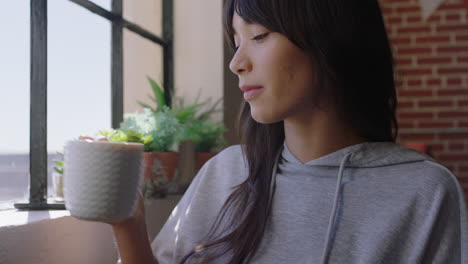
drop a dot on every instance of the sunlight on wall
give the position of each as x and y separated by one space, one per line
198 44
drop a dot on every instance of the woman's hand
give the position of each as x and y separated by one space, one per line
132 237
138 216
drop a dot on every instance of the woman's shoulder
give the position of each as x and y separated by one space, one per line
233 151
405 166
426 181
230 157
225 170
436 177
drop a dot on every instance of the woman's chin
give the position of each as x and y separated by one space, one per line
265 118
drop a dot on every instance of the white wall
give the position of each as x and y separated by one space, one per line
199 49
141 57
198 52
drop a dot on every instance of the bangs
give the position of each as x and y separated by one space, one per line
282 16
251 11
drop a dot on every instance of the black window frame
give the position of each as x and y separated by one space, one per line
38 86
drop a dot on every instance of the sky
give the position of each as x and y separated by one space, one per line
78 74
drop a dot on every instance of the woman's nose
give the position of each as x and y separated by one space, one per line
240 63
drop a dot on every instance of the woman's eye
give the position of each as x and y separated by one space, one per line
261 36
256 38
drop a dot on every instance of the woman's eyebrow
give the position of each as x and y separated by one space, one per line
245 24
234 30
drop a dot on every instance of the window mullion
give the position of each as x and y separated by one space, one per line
38 109
168 56
117 64
38 117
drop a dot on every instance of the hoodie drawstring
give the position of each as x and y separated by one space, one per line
331 222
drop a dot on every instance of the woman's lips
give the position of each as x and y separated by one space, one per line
251 91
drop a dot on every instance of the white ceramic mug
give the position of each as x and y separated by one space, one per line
101 179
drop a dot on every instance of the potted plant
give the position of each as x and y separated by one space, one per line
57 179
158 167
208 136
168 126
160 161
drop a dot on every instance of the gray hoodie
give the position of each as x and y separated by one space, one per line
367 203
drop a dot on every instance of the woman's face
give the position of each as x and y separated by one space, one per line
279 70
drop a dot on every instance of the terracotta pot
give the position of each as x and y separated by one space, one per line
160 165
202 157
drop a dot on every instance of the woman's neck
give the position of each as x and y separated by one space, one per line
315 136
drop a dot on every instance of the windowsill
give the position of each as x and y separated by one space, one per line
56 237
53 237
10 216
14 217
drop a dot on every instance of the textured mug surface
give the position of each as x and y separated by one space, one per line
101 179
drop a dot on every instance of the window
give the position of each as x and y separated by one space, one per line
59 72
14 102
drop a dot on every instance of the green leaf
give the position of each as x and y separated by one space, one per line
147 140
121 136
133 136
106 133
58 170
212 110
158 94
185 113
147 106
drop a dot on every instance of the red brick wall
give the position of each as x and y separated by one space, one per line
432 78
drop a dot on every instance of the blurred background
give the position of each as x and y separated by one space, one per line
79 73
430 45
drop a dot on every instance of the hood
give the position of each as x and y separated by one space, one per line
363 155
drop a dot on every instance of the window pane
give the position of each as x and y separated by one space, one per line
142 58
79 75
14 102
145 13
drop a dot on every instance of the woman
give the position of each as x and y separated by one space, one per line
317 178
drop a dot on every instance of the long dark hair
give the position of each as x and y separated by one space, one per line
348 44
